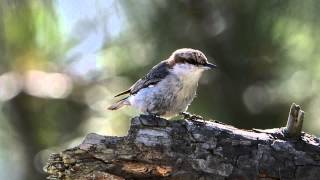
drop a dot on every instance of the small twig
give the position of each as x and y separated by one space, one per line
295 121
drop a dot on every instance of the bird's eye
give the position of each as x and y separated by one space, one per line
191 61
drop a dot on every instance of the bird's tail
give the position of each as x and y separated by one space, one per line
119 104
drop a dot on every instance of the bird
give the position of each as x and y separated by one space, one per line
169 87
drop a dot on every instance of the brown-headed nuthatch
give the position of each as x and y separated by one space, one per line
169 87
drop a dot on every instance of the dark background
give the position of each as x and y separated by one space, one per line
62 61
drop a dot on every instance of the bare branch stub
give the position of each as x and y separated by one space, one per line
295 121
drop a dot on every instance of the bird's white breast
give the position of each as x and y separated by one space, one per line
189 76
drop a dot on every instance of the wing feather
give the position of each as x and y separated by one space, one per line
155 75
123 93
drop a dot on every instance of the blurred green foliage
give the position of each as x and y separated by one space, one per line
62 61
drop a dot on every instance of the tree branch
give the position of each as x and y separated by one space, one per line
190 149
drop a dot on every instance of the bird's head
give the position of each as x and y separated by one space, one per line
191 58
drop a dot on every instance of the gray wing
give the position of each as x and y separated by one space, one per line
155 75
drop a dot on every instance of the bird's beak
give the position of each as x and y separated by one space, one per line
210 66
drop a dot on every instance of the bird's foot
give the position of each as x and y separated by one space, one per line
152 120
193 117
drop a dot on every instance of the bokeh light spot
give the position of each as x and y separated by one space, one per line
10 85
47 85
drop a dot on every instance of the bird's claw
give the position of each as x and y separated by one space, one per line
189 116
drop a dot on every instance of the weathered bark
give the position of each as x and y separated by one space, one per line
190 149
